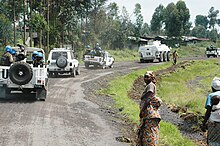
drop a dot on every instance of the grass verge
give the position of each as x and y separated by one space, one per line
186 87
118 89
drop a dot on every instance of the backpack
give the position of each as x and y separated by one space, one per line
5 60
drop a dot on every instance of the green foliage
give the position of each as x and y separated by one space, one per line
38 22
199 31
5 30
157 19
201 21
170 135
139 20
212 17
193 50
190 90
173 24
124 55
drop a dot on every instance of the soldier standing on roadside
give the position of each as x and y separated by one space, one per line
175 56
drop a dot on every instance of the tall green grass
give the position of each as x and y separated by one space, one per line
125 55
189 87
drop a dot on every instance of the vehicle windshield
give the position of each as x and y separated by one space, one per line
56 55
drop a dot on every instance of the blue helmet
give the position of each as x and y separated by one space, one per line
35 53
8 48
39 55
13 52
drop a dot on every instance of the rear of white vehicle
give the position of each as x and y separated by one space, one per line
148 53
21 76
93 60
62 61
103 61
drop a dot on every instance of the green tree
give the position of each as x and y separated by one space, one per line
172 21
5 30
145 29
184 16
157 20
139 19
202 20
212 15
213 34
199 31
38 23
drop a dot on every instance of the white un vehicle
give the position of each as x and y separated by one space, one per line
22 76
98 59
212 51
62 60
154 50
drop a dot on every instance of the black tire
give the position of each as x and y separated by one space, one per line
164 57
168 56
141 60
41 94
20 73
50 74
61 62
86 65
161 57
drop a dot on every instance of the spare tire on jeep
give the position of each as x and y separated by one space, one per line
61 62
20 73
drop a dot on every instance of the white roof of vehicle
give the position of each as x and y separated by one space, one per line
29 49
60 49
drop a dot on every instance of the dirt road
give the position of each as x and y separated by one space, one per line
70 116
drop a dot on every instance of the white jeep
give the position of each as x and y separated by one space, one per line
23 76
62 60
102 59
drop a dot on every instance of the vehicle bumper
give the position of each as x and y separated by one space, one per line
93 63
148 58
60 70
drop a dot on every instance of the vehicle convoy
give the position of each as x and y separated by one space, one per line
23 76
212 51
62 60
154 50
98 59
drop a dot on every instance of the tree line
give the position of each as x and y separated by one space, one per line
53 23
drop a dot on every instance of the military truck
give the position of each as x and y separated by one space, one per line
154 50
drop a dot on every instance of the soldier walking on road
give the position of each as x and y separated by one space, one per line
175 56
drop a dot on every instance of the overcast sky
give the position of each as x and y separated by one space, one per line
196 7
